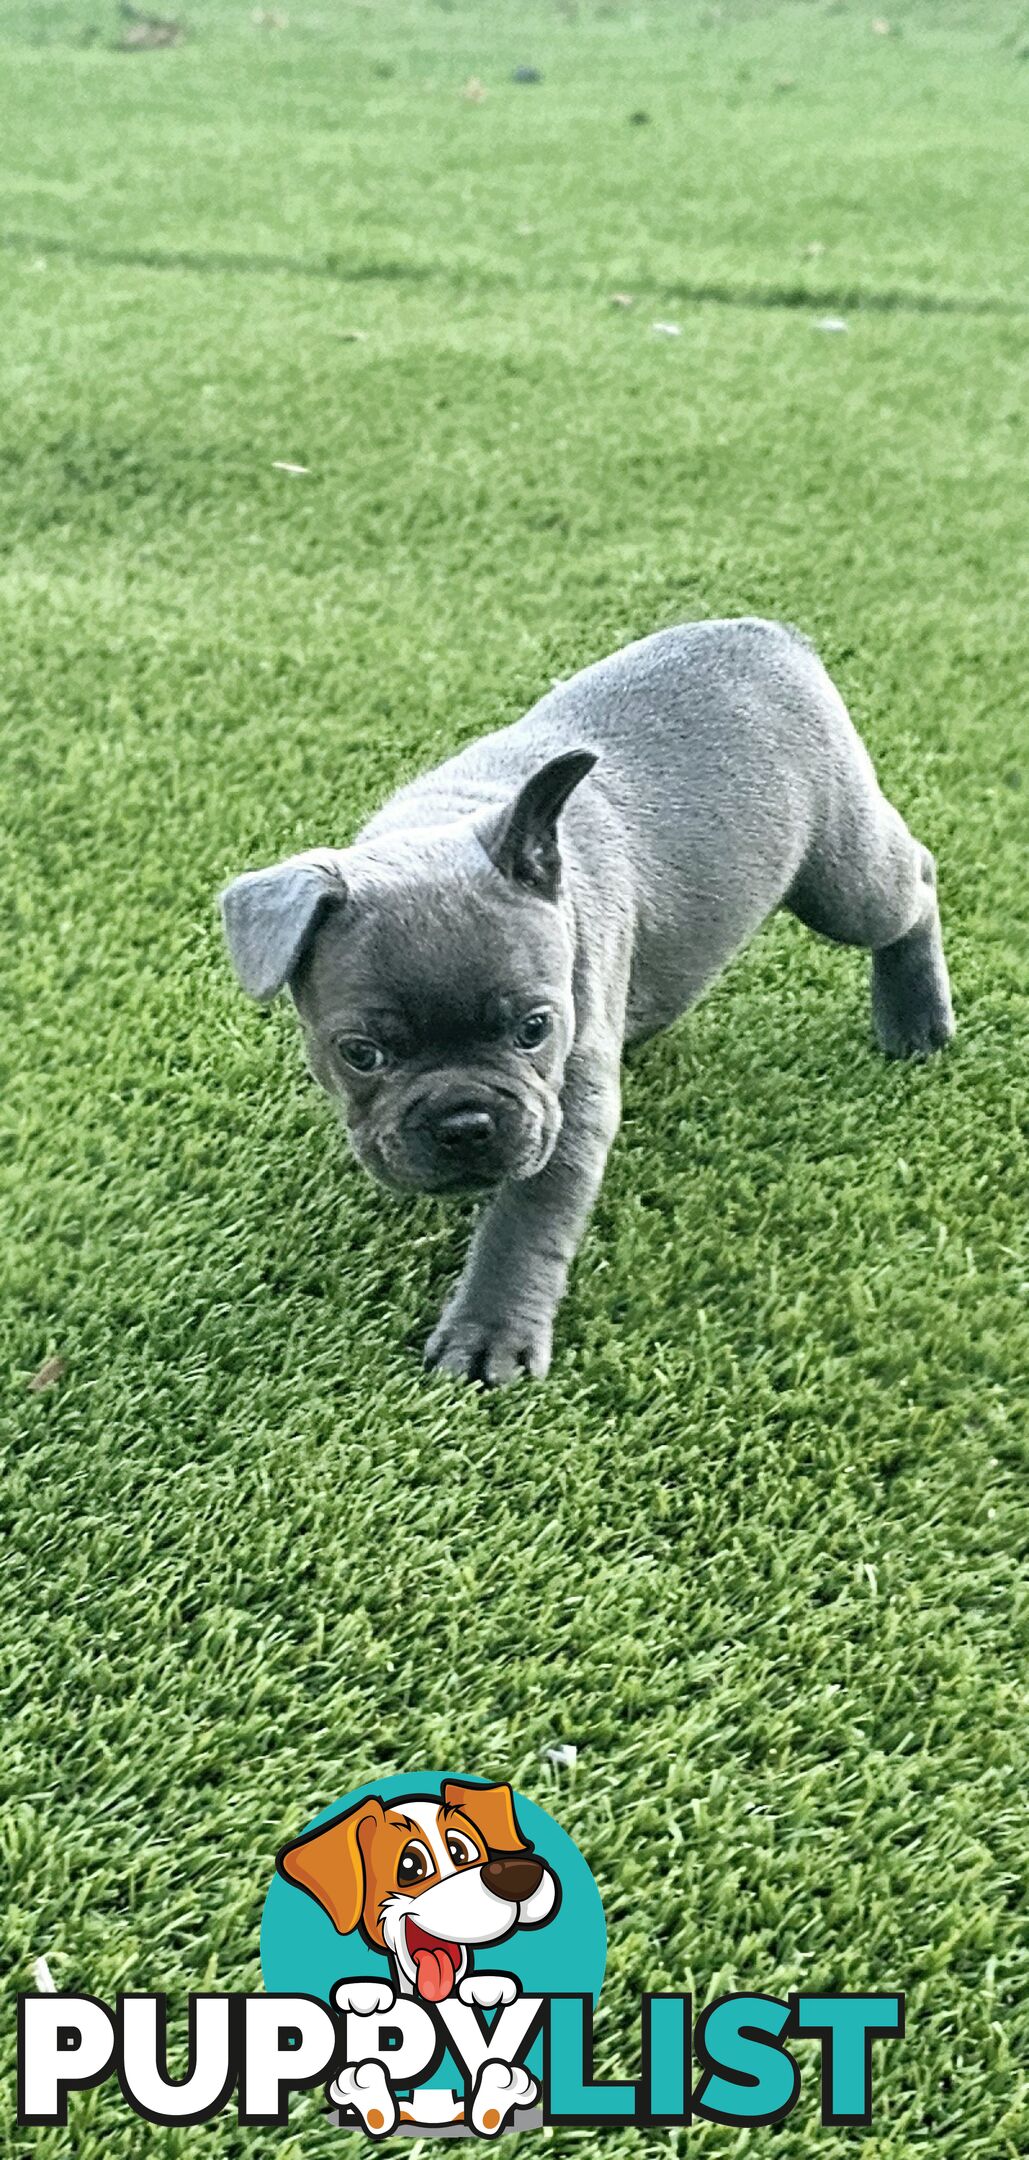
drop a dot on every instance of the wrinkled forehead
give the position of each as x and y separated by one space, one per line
438 961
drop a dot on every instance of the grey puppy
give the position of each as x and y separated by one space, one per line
467 972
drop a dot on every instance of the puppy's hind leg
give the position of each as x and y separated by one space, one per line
911 1008
871 883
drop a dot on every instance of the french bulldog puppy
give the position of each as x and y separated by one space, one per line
467 971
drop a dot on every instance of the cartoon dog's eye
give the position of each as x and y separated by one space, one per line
414 1864
533 1030
361 1053
461 1851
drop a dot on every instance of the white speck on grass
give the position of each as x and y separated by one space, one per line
833 323
564 1756
43 1977
280 465
667 329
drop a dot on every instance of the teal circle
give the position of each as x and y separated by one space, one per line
301 1953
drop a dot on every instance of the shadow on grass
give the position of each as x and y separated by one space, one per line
854 297
339 270
220 262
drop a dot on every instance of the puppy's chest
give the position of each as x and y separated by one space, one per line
674 958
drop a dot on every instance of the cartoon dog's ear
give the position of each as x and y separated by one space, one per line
329 1864
269 918
491 1809
524 844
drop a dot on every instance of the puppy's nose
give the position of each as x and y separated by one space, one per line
513 1876
468 1126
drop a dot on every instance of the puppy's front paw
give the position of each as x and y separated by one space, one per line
491 1351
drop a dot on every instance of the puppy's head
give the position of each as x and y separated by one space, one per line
426 1879
432 973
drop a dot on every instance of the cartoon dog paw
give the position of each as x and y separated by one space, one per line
500 2088
363 1998
365 2088
485 1991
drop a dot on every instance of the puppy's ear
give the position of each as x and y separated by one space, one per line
491 1809
329 1863
524 844
270 916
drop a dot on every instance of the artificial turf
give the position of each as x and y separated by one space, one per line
757 1547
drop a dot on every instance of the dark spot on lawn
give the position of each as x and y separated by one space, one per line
526 75
144 33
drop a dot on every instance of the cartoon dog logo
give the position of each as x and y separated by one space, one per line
426 1880
429 1881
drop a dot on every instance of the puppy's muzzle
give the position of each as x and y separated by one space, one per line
460 1136
466 1130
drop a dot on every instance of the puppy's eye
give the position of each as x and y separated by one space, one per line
533 1030
361 1053
414 1864
460 1849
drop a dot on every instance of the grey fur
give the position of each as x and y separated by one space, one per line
602 859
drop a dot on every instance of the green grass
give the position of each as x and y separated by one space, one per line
758 1545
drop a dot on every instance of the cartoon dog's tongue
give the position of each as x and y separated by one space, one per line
435 1974
436 1963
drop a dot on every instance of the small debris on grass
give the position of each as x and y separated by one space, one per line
785 82
283 465
353 337
639 119
667 329
144 33
474 91
50 1372
834 323
43 1977
622 299
526 75
815 247
564 1756
880 27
